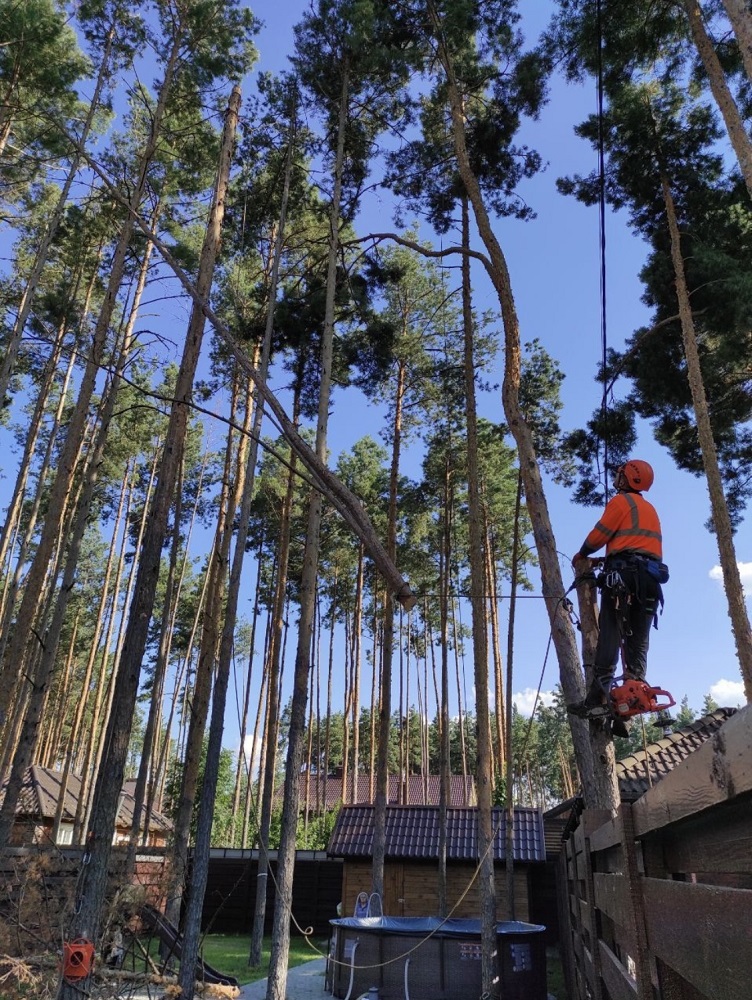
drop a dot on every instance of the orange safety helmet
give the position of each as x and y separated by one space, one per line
638 474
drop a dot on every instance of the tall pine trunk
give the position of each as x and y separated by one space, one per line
724 534
487 890
277 981
735 126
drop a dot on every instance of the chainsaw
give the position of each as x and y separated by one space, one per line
635 697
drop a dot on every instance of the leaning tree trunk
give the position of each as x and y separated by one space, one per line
347 505
597 786
735 126
486 883
93 885
732 583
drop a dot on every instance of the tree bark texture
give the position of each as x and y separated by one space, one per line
732 583
735 126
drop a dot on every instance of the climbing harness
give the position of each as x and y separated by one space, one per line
627 696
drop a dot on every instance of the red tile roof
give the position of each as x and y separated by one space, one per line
413 832
41 790
415 791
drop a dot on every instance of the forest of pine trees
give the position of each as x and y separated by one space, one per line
195 593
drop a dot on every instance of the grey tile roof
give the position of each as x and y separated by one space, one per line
41 790
413 832
644 768
416 789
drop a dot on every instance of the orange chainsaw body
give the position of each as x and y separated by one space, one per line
635 697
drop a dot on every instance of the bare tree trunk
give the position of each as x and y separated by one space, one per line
458 674
267 776
276 988
244 716
199 698
741 21
509 774
597 788
721 521
489 959
735 126
51 752
357 664
375 678
242 496
445 558
385 697
498 668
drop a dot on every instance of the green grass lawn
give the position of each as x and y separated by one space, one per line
228 953
555 975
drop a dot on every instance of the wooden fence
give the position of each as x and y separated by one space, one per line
656 903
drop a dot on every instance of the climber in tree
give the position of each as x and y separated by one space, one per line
630 584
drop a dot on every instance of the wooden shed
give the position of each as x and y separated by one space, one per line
412 852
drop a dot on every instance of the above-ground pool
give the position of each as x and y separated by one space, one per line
424 958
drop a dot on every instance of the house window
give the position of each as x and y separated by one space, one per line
65 833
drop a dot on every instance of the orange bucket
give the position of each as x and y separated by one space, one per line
78 958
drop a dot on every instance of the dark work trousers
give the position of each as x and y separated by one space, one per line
631 608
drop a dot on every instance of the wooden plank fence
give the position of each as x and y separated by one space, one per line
656 902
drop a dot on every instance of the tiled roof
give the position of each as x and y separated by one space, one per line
413 832
415 790
644 768
41 789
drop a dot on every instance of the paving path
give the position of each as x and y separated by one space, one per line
304 982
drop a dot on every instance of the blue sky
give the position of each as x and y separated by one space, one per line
554 265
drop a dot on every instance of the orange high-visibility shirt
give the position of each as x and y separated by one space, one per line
628 524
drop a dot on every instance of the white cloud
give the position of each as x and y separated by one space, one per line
728 694
525 700
251 754
745 571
